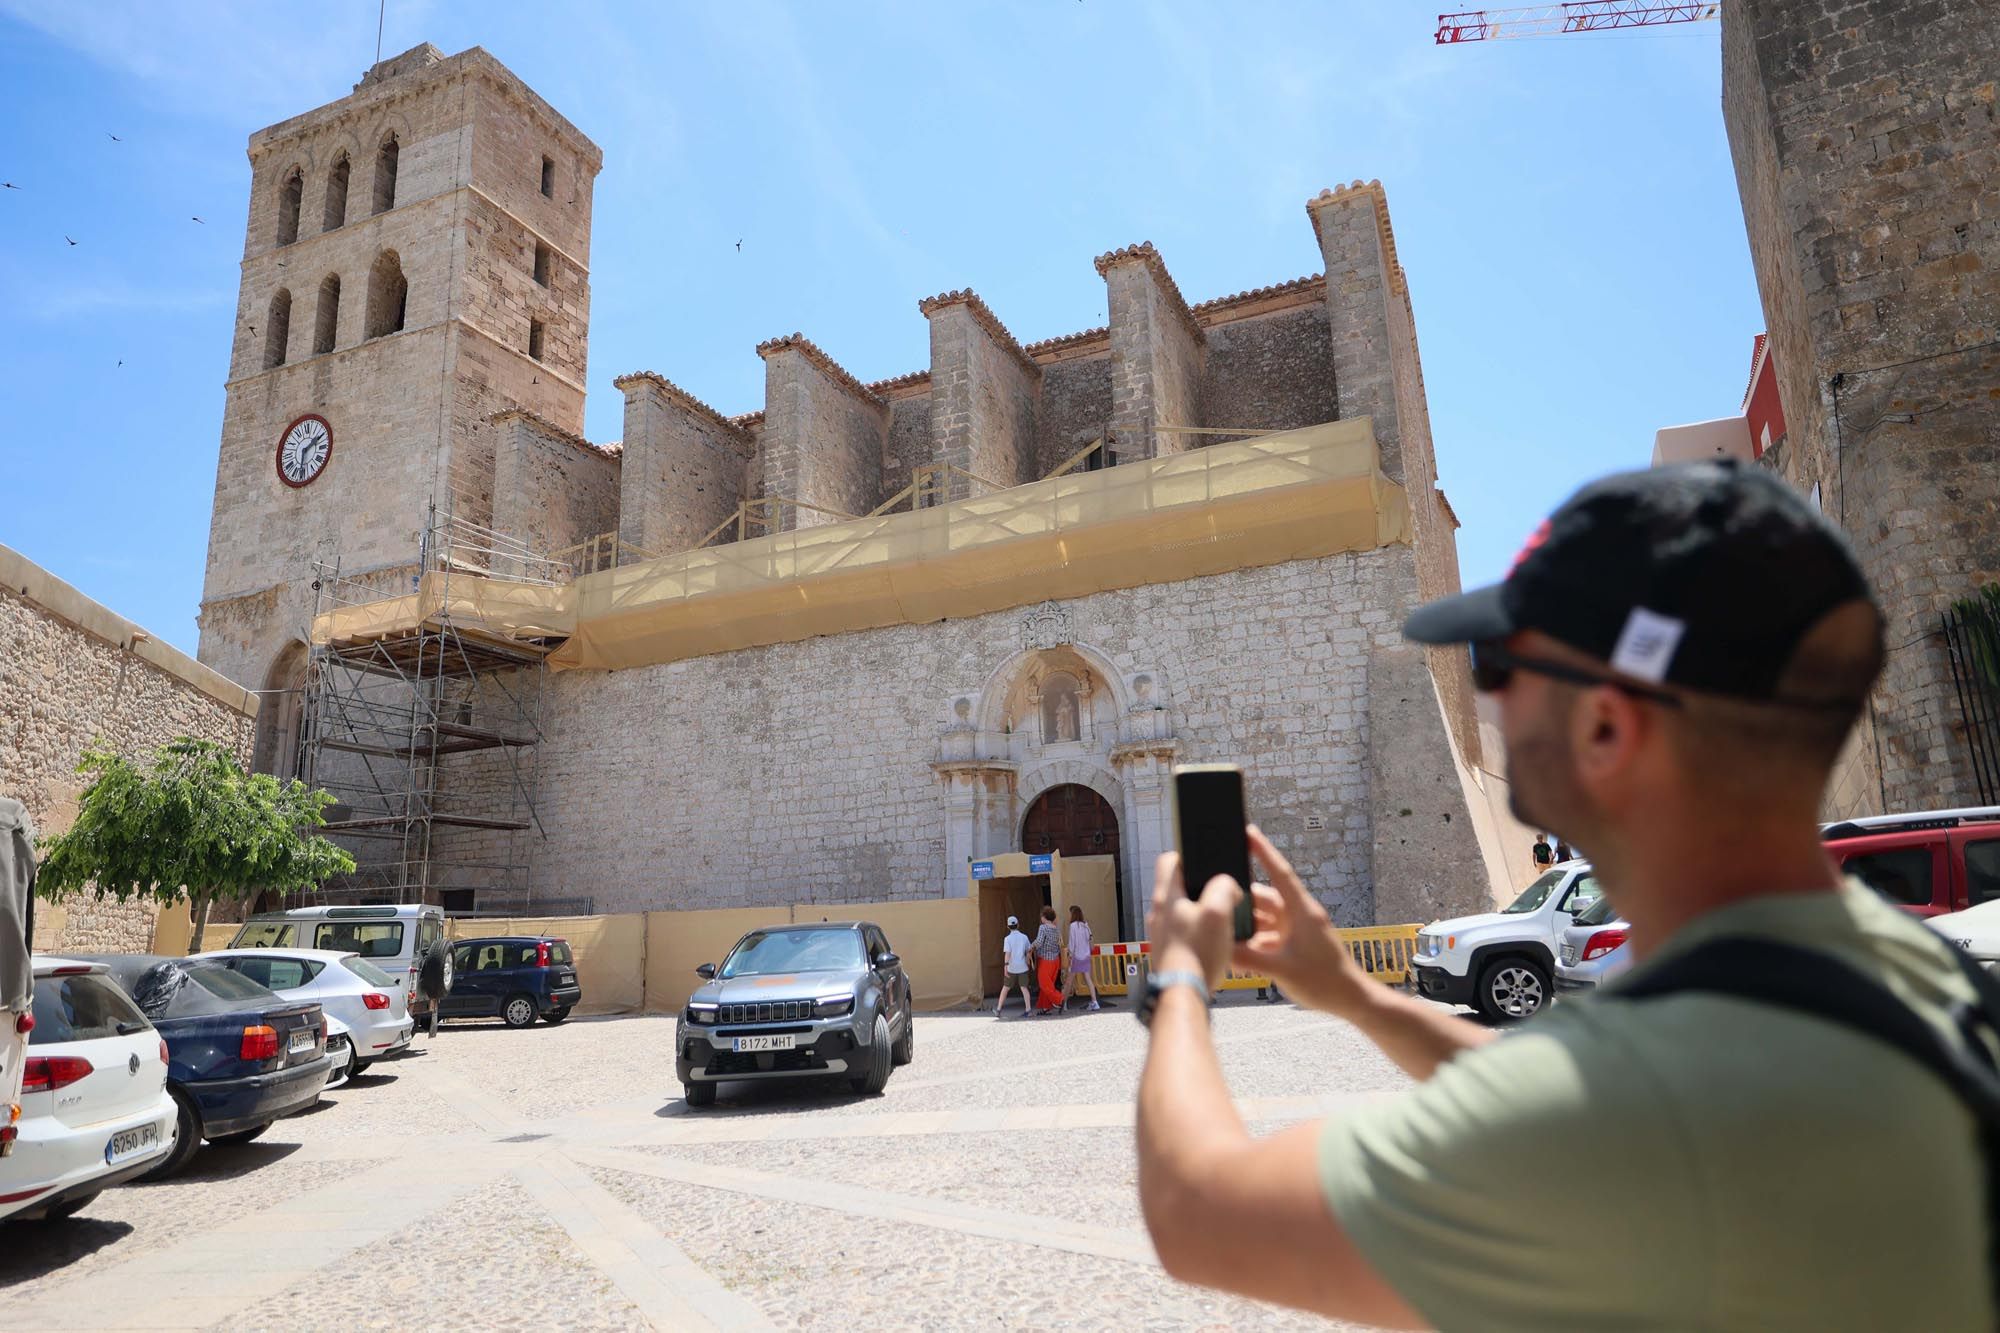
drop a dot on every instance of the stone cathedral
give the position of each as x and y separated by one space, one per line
845 645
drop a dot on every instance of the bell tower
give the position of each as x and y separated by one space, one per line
417 259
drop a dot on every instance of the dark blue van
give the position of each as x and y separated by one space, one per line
515 977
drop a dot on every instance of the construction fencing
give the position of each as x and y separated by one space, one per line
1383 952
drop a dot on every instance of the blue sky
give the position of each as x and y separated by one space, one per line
1566 211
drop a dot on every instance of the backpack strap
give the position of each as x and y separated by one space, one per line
1785 976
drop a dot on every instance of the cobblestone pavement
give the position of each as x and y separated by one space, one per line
553 1178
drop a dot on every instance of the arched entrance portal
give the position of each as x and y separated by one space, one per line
1076 821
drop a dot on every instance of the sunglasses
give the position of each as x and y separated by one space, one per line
1493 667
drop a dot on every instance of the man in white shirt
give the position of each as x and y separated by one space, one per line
1013 966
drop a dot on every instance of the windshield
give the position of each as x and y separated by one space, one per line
1537 893
370 939
266 935
1599 913
764 952
368 972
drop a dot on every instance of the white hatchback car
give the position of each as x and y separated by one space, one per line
94 1103
347 986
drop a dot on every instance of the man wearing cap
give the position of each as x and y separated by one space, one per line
1677 656
1013 967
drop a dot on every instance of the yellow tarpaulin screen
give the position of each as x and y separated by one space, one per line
1294 496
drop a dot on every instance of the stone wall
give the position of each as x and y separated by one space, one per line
983 390
1075 408
1273 372
804 771
1156 355
682 466
1867 142
909 441
552 491
1352 223
74 675
824 434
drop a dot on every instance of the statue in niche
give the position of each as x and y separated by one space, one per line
1142 691
1060 715
961 709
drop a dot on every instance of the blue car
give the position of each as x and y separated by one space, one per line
238 1056
518 978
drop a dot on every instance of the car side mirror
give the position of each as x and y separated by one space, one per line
706 971
886 960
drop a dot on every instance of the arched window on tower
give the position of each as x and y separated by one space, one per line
388 294
336 196
289 196
326 323
277 329
385 175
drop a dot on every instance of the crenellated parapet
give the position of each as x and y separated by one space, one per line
1156 355
823 437
983 395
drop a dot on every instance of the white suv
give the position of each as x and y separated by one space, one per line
1501 963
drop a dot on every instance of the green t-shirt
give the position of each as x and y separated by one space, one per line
1687 1162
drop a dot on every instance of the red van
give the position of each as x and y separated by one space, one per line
1930 862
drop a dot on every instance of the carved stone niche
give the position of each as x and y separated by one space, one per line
959 738
1146 717
1047 626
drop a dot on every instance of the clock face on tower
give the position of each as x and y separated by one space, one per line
304 449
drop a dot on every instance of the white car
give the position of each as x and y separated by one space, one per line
94 1103
366 999
395 938
1502 963
1975 930
339 1049
1594 950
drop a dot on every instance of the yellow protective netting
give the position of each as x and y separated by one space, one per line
1293 496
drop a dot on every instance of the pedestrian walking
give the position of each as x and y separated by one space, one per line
1677 658
1048 964
1013 967
1545 855
1079 957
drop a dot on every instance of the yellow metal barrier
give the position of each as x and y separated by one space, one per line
1382 951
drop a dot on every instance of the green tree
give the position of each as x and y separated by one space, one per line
193 821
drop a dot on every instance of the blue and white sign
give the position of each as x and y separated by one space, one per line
1041 865
982 870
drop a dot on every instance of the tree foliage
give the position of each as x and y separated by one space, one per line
192 821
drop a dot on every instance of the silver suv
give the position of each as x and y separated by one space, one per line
798 1001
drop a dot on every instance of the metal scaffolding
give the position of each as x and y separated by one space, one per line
424 734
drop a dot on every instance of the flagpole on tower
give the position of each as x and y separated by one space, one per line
380 11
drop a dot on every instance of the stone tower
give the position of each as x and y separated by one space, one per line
417 260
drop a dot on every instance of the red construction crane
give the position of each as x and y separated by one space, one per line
1491 25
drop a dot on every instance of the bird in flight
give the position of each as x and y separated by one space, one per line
114 138
67 239
10 185
199 220
739 247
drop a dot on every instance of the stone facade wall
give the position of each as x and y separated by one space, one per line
1274 372
1867 139
73 675
1156 356
499 294
823 435
682 468
804 771
1075 409
909 441
1351 223
552 490
983 392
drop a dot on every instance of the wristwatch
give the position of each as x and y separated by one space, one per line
1157 983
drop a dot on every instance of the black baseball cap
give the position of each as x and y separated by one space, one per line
1703 575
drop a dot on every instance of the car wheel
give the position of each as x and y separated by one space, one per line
70 1207
556 1015
906 1049
356 1068
880 1060
699 1094
240 1136
187 1138
1512 988
519 1011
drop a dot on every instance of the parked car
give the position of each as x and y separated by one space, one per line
369 1003
94 1104
393 938
1594 950
339 1052
829 1000
518 977
17 978
1502 963
1929 862
239 1056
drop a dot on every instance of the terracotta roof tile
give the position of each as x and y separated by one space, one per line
547 427
827 366
676 393
1069 345
895 384
1311 287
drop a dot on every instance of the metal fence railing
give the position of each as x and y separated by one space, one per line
1972 638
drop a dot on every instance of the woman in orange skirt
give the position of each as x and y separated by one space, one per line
1048 964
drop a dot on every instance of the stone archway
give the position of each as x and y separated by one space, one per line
281 714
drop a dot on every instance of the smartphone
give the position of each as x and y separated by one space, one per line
1209 820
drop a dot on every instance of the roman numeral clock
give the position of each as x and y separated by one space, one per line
303 450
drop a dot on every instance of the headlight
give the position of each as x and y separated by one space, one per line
701 1013
826 1006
